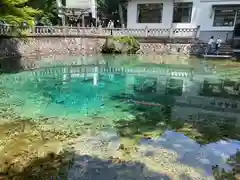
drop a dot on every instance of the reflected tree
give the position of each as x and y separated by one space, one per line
211 129
152 121
148 122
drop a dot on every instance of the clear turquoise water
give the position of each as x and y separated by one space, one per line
135 99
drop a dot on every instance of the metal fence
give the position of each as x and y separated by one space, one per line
89 31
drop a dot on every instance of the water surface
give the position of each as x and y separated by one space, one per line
178 117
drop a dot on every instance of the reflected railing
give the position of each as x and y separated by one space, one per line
104 68
176 82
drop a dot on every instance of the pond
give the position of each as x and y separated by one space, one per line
124 117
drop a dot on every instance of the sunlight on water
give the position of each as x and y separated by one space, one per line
178 120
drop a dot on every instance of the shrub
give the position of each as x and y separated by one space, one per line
133 44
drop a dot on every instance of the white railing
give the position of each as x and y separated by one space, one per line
85 31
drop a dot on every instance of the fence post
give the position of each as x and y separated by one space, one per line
111 31
197 32
32 30
146 31
78 29
171 33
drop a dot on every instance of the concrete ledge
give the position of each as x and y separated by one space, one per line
58 45
144 39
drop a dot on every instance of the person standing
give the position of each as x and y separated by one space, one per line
218 45
210 45
111 26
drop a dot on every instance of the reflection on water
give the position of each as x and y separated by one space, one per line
179 121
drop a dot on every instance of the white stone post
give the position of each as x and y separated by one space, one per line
66 74
83 21
146 31
95 76
130 79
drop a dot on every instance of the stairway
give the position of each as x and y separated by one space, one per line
225 49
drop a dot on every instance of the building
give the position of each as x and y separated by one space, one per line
215 17
76 11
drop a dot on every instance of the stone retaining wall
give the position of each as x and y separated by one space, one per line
45 46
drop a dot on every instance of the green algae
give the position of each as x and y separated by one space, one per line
26 148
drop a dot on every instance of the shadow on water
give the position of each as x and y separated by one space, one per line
68 165
10 60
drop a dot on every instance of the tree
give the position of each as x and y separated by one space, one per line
49 15
16 12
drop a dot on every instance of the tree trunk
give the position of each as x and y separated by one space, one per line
120 9
171 30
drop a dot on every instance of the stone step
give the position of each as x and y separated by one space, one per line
226 50
223 46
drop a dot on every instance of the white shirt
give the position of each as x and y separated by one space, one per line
219 41
210 42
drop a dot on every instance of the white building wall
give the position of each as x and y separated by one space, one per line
167 14
206 20
202 15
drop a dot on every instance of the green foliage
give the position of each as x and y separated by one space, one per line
123 45
133 44
49 15
16 12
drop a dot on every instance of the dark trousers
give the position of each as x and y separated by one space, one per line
208 49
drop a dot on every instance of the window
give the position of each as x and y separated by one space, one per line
237 25
238 17
149 13
224 17
182 12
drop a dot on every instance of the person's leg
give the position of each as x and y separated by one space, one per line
217 49
207 49
210 48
